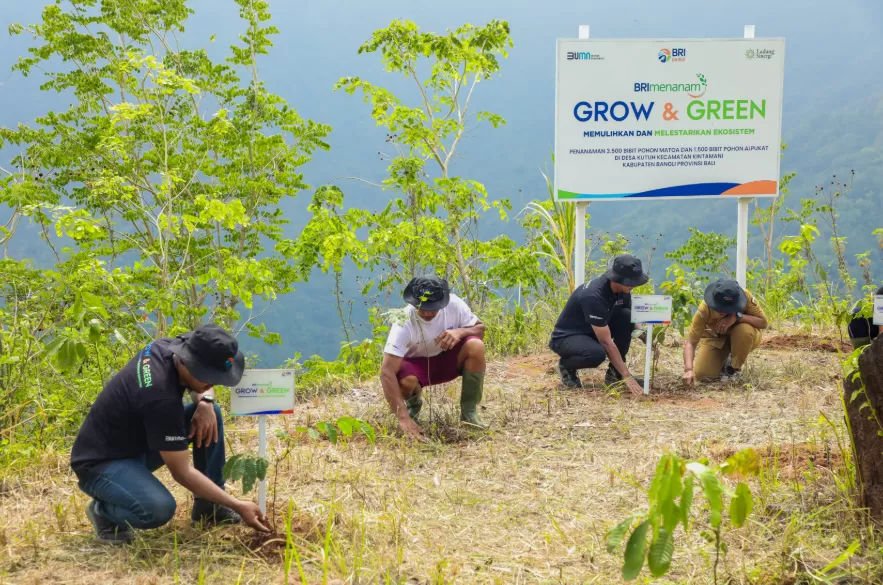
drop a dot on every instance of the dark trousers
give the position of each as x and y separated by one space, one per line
579 352
128 494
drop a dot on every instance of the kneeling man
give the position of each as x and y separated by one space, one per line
596 323
439 340
139 423
726 328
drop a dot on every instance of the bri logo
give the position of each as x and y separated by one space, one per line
583 56
672 55
694 90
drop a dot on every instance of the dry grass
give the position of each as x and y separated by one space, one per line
527 502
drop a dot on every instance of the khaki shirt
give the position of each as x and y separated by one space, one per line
705 320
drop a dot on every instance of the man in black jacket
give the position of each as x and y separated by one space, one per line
596 325
139 423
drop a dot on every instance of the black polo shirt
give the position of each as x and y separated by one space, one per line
140 410
591 304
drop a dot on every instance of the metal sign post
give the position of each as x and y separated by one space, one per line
262 393
650 310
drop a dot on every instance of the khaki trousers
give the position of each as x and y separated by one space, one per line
712 353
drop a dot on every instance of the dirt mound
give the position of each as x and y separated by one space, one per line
272 544
805 342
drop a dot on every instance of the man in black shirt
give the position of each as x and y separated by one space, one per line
139 423
861 330
596 324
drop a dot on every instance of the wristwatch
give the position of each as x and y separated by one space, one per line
739 316
209 399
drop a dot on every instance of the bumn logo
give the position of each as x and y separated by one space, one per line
583 56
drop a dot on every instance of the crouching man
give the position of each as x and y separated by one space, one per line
139 423
439 340
596 324
726 328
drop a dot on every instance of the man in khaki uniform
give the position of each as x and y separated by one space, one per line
726 328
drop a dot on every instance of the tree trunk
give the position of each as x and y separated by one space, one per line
866 424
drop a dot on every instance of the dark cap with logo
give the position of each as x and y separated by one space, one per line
429 293
627 271
725 296
211 354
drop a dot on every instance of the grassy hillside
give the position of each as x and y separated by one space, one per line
527 502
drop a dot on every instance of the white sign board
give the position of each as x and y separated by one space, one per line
651 119
263 392
651 309
878 310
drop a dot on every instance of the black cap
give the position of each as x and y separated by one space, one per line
627 271
211 354
725 296
429 293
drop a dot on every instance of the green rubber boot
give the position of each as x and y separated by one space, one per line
415 403
470 396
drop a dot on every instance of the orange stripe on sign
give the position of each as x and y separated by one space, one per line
753 188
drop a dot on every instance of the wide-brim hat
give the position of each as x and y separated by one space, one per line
428 293
627 271
725 296
211 354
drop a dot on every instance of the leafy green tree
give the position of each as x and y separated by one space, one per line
157 191
432 223
167 170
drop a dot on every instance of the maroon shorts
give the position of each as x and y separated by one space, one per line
435 370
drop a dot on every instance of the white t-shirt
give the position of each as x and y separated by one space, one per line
415 337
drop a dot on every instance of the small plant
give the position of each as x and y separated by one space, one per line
345 425
670 500
248 468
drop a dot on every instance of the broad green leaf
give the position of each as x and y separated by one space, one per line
741 505
332 433
635 552
617 533
713 491
314 434
227 471
249 474
686 501
661 551
346 425
367 430
262 467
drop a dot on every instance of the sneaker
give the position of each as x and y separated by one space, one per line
731 374
209 514
568 377
106 531
612 377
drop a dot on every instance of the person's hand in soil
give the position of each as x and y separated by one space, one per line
634 387
689 378
411 429
251 515
724 324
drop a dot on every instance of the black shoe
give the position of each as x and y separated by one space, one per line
729 373
568 377
209 514
612 377
106 531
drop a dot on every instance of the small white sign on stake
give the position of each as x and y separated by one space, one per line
259 393
878 309
652 310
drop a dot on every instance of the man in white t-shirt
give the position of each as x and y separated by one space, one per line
439 341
